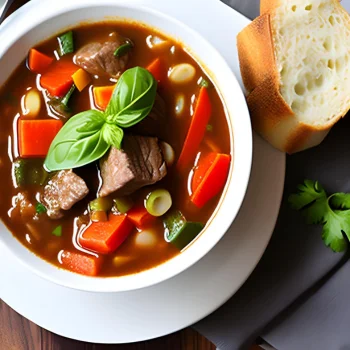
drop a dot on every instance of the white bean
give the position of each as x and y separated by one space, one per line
146 239
182 73
168 153
180 104
32 103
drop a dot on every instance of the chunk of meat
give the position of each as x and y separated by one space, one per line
98 58
140 163
63 191
154 123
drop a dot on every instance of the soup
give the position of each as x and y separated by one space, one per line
115 149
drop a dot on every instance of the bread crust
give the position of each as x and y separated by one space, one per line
268 6
271 116
256 53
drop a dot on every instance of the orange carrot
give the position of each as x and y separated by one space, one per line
102 96
79 263
58 78
196 131
81 79
156 69
36 135
106 237
209 177
38 62
140 217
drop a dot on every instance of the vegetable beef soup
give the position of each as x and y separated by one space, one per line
115 149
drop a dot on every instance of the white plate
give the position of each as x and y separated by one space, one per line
185 299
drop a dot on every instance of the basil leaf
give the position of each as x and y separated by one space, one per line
78 143
133 97
113 135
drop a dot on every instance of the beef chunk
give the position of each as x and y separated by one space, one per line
154 123
98 58
63 191
139 163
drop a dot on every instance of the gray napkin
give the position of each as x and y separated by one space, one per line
292 298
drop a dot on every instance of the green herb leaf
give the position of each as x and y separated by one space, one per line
340 201
69 94
318 208
78 143
40 208
133 97
209 128
66 43
123 49
57 231
203 83
336 222
113 135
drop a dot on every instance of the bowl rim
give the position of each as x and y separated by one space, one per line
98 284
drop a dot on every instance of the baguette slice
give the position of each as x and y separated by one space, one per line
295 65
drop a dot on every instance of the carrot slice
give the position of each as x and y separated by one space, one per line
106 237
102 96
79 263
140 217
36 135
38 62
156 69
58 78
209 177
81 79
196 131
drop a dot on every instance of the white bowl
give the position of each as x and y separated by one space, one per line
43 19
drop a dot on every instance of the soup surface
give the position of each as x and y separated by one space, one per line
114 149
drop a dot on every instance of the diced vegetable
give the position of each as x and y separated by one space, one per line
182 73
158 202
66 43
140 217
146 239
155 42
210 177
180 232
102 96
83 264
123 204
60 105
156 69
81 79
168 153
122 50
40 208
196 131
32 103
38 62
99 216
29 172
106 237
101 204
35 136
57 80
203 83
57 231
179 104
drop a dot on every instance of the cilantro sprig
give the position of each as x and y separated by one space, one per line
333 212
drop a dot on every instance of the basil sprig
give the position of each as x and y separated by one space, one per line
87 136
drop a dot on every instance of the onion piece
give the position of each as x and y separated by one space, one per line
168 153
182 73
158 202
32 103
155 42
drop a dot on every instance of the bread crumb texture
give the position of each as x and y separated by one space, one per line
312 51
